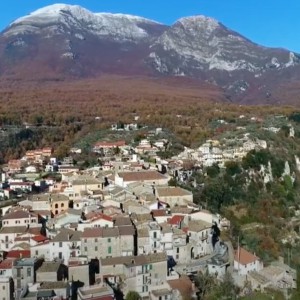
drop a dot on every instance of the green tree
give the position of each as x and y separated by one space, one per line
233 168
205 283
213 171
132 295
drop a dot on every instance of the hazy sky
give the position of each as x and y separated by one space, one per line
273 23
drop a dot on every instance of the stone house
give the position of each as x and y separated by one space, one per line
118 241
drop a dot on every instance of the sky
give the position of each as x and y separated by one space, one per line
272 23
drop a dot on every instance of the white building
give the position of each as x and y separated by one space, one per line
245 262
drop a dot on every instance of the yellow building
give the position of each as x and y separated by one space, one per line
59 203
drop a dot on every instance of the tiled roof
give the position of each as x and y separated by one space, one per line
176 220
39 238
141 176
134 260
18 254
183 284
7 263
97 215
172 192
53 285
159 213
244 257
198 225
49 267
67 235
13 229
19 214
122 221
108 232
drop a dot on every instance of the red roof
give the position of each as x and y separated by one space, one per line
244 257
39 238
7 263
176 220
94 215
18 254
159 212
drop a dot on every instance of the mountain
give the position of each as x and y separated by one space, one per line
67 41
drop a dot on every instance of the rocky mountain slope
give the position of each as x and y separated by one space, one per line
64 41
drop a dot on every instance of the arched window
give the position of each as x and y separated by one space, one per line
62 205
56 205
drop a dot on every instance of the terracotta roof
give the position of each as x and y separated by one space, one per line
97 215
92 232
7 263
122 221
108 232
244 257
141 176
19 214
39 238
159 213
18 254
183 284
172 192
176 220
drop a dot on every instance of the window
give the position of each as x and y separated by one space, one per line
150 267
36 252
109 240
85 249
154 245
56 205
60 255
109 250
154 234
28 272
177 250
3 287
62 205
56 212
85 240
96 240
96 248
60 244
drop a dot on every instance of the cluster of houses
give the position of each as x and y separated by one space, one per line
216 152
102 232
97 231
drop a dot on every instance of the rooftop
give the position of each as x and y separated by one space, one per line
141 176
172 192
134 260
49 267
244 257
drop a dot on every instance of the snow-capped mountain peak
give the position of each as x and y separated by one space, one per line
119 27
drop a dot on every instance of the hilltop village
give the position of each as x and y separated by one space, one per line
70 231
